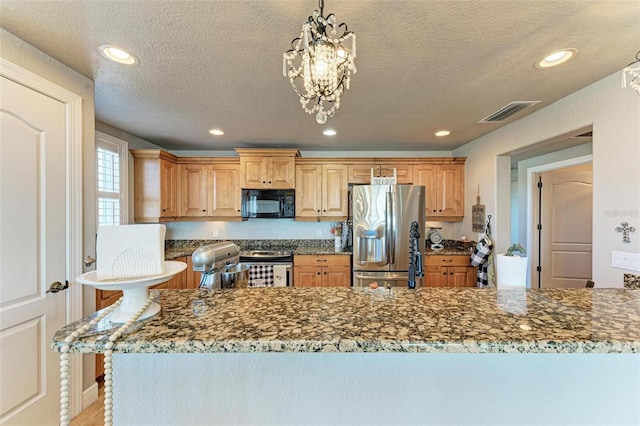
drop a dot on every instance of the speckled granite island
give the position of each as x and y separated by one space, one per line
351 356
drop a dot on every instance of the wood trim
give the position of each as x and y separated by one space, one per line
267 152
386 160
153 153
216 161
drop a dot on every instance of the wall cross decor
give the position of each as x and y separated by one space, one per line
625 229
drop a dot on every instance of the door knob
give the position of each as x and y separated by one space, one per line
89 261
58 286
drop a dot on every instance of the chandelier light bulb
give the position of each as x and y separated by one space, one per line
321 117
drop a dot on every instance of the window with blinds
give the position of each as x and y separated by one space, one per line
111 188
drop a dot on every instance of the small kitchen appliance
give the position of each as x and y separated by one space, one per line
219 264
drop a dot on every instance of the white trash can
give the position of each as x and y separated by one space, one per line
511 271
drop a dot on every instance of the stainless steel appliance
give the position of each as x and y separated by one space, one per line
268 203
217 262
382 219
269 268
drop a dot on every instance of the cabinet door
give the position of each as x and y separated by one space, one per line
168 189
193 190
451 190
308 190
253 171
307 276
427 175
436 276
404 172
457 276
192 277
224 191
336 276
281 173
334 191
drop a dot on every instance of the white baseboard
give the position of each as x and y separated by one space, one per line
89 395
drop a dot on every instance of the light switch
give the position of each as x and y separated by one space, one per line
624 260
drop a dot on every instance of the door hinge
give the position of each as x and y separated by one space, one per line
539 268
539 227
539 184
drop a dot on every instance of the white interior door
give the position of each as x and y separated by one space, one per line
33 239
566 220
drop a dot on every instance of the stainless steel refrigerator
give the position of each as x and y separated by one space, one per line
382 218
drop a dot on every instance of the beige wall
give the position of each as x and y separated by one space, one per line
614 114
25 56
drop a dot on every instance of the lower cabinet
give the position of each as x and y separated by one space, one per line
321 271
449 271
185 279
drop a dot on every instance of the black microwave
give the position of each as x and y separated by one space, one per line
268 203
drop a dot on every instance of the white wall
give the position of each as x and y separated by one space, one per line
26 56
614 114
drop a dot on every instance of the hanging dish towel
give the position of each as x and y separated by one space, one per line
480 258
261 276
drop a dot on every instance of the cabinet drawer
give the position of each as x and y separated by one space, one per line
321 260
462 260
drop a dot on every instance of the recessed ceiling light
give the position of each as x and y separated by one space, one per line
329 132
556 58
118 54
216 132
442 133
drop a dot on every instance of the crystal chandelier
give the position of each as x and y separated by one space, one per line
319 65
633 69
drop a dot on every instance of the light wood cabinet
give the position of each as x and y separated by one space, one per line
321 271
321 192
267 168
155 177
444 190
192 278
361 173
209 190
449 271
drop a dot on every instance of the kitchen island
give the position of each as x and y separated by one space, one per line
355 356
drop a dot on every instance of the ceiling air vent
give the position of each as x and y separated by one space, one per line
507 111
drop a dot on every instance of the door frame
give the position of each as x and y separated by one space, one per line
73 215
532 210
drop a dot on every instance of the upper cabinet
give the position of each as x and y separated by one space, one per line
444 185
321 191
210 190
168 188
361 173
267 168
155 175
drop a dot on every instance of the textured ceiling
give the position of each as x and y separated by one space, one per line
422 65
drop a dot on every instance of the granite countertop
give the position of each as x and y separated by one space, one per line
463 320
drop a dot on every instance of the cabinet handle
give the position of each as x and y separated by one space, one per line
444 273
434 211
447 260
450 273
324 211
318 273
269 181
325 273
203 210
440 210
321 260
264 181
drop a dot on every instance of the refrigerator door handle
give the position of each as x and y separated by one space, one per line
390 228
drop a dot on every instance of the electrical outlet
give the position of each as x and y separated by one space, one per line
215 233
318 232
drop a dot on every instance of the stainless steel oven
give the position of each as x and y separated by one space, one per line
269 268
